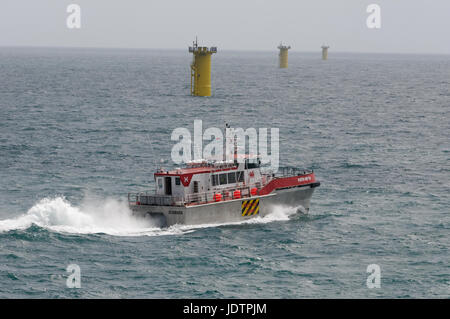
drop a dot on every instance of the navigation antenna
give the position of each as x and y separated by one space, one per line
153 153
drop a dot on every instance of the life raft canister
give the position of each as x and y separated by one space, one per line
254 191
237 194
217 197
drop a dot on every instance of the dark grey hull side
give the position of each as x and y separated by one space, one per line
225 211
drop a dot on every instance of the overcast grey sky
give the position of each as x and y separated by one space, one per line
407 26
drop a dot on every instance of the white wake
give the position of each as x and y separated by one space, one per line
109 216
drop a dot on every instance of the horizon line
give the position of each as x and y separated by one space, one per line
227 50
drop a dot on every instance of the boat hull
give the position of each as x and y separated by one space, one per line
228 211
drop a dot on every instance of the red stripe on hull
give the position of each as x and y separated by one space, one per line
284 182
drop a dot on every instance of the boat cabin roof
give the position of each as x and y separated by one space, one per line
204 166
194 170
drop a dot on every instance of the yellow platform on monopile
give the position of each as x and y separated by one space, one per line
201 69
283 55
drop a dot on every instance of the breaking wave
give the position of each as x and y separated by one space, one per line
109 216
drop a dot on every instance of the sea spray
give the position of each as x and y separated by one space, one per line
93 216
109 216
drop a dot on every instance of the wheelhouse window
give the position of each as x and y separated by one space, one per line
231 178
215 180
252 164
223 179
195 187
177 181
240 176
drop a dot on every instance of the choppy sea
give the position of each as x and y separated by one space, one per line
80 128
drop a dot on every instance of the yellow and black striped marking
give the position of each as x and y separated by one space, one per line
250 207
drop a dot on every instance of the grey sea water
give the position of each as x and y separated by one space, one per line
79 128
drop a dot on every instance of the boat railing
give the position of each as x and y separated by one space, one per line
225 194
291 171
149 198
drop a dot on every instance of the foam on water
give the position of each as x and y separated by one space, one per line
280 213
109 216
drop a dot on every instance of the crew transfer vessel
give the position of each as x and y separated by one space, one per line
212 191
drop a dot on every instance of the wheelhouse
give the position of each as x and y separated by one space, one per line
205 181
206 176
